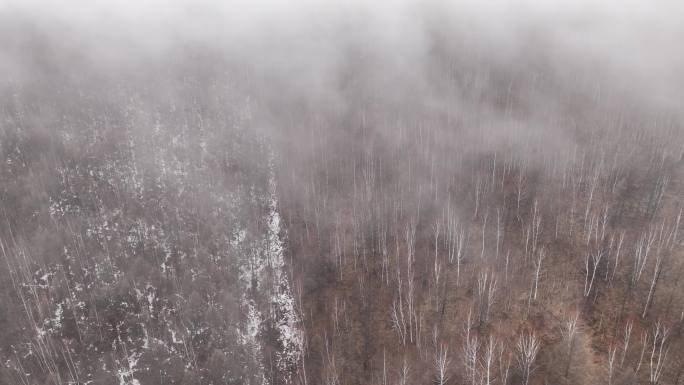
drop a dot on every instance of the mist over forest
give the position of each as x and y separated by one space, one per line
307 192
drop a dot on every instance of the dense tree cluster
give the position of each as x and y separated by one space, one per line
448 214
130 233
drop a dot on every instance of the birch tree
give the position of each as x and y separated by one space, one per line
659 351
441 363
486 289
536 275
527 348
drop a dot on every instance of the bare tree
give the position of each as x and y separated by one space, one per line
470 352
611 363
478 193
488 361
397 314
617 254
410 258
399 321
384 366
527 347
520 186
569 332
592 186
458 248
641 253
441 363
654 282
404 373
470 357
498 233
658 353
484 227
504 364
486 289
331 374
625 340
644 346
536 275
591 263
437 265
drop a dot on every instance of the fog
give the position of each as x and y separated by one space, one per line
310 191
628 49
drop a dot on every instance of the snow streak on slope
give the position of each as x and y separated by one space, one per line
283 305
265 281
171 263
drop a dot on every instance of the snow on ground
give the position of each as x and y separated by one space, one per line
263 274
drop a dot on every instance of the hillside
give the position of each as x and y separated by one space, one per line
414 195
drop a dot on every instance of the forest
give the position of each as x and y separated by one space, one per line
344 193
